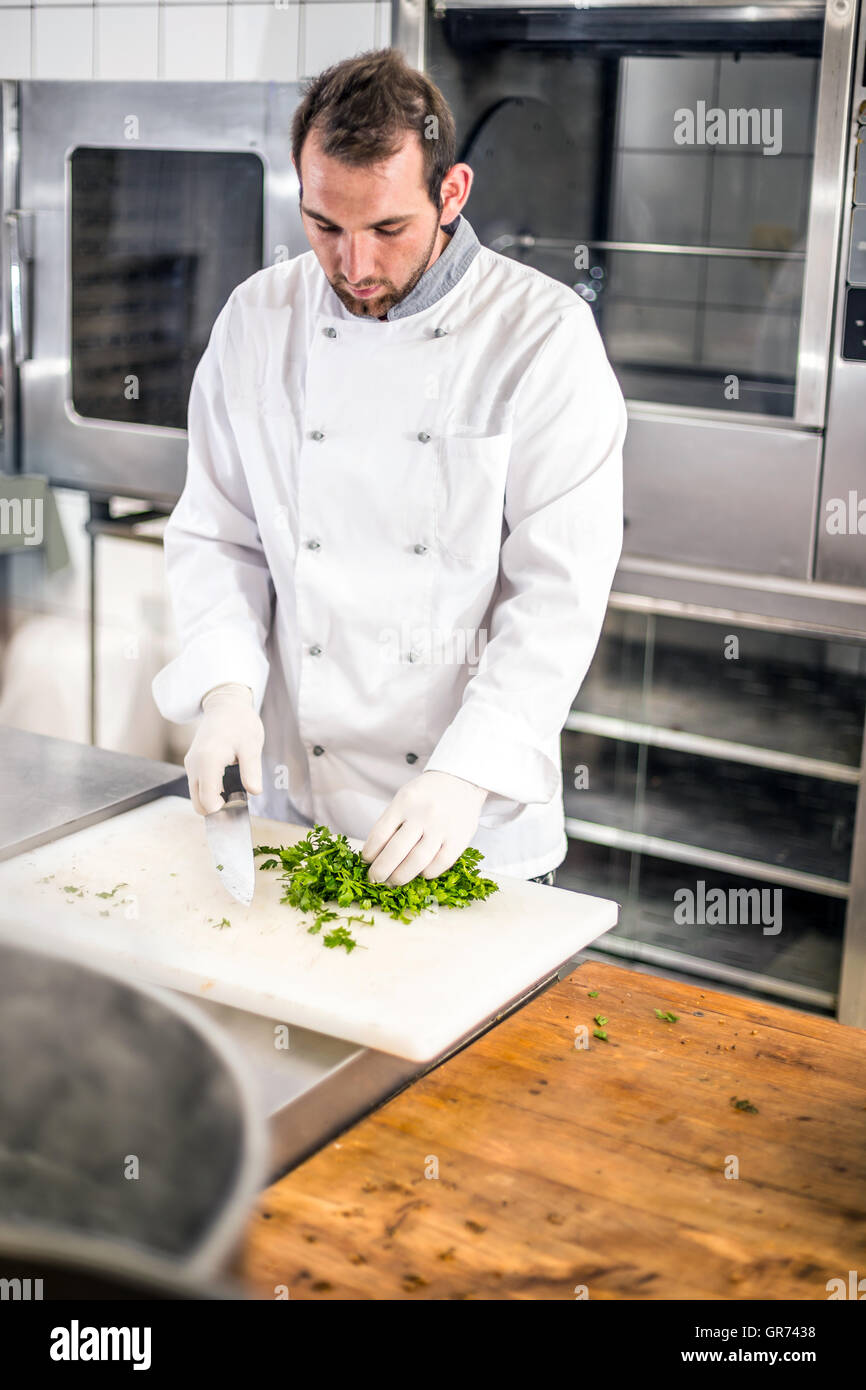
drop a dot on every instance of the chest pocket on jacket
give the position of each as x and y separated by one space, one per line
469 493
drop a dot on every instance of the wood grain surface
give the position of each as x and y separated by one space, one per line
600 1171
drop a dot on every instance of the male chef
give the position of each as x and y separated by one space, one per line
402 515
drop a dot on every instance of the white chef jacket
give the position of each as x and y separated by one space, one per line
401 535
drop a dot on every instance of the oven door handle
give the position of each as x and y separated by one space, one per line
19 224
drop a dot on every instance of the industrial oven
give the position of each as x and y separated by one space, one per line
131 211
691 170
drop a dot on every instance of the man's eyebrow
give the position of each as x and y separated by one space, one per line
383 221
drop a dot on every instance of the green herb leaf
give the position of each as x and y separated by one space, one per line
600 1020
599 1033
113 891
340 936
744 1105
666 1016
593 994
323 868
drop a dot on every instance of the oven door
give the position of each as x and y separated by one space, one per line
681 167
141 206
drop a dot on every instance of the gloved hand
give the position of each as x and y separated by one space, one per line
230 732
427 826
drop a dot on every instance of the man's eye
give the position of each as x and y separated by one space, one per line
382 231
328 230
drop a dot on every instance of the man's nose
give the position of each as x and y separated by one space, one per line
357 258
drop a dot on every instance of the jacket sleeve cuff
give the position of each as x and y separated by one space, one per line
215 657
498 751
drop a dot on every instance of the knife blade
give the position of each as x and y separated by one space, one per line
230 838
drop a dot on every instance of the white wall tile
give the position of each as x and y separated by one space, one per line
82 4
193 42
126 42
263 42
334 31
63 42
14 43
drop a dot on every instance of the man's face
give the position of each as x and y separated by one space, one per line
374 229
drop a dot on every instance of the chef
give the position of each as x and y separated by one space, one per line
402 514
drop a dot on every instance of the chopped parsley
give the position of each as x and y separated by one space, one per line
113 891
323 868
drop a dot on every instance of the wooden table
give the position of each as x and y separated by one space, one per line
595 1171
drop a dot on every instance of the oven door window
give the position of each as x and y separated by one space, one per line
665 176
159 239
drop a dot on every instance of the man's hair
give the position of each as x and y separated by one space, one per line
363 107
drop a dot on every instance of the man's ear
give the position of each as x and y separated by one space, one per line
455 191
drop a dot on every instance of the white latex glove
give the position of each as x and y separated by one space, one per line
230 732
427 826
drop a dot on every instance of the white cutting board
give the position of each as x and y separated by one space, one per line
414 991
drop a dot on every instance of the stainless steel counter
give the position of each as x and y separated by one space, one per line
52 787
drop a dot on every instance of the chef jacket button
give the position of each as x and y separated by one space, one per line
315 651
420 549
411 757
317 435
424 437
440 333
330 332
318 750
314 545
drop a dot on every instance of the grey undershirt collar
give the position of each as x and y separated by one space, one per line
443 274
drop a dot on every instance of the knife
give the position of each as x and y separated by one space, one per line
230 838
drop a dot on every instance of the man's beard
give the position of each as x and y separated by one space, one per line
390 295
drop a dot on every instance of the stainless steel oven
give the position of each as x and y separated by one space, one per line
684 167
131 210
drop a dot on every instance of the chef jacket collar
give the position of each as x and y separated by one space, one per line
463 246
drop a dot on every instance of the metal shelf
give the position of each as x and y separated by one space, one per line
652 735
800 963
772 824
639 843
813 719
750 980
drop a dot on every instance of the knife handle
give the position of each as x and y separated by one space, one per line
232 782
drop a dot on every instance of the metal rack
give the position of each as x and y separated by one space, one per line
742 773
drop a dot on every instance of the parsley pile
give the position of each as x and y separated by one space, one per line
323 868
